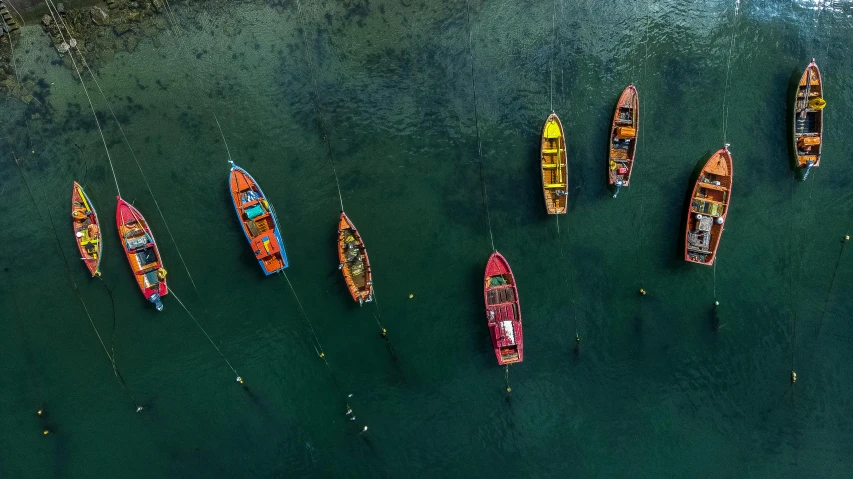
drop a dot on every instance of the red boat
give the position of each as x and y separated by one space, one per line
502 311
87 231
709 205
142 253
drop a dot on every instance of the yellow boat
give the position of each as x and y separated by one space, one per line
555 174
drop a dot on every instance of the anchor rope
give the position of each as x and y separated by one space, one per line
58 246
91 105
190 314
642 144
132 153
477 125
728 73
553 54
318 108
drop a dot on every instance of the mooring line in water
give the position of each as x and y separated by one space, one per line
318 348
91 105
477 124
570 284
383 332
129 147
728 73
58 247
317 104
239 379
553 54
506 378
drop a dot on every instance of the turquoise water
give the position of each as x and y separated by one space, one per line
660 385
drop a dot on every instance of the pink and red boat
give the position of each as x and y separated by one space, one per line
502 311
142 253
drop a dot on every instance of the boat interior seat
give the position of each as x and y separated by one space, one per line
552 186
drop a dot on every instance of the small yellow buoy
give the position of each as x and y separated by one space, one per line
508 389
846 237
411 296
239 380
793 377
46 432
365 429
642 291
39 412
322 355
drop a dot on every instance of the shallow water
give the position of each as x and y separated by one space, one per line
660 385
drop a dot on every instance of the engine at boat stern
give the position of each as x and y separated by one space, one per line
155 298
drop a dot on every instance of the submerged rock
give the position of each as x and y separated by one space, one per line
131 43
99 17
121 28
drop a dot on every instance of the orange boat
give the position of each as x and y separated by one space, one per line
709 205
503 311
142 253
623 138
258 219
353 261
555 174
87 232
808 119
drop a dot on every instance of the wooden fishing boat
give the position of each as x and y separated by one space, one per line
353 261
87 232
623 139
709 205
142 252
808 119
258 220
555 174
502 311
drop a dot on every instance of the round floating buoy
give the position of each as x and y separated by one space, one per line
508 389
322 355
46 432
793 377
847 238
411 296
642 291
39 412
716 303
239 380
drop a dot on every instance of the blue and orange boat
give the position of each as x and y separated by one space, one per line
257 217
503 311
142 252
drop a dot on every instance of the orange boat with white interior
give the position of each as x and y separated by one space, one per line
808 119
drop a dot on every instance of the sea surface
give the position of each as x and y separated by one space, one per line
418 107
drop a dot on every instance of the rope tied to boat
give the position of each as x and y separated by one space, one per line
318 109
728 73
89 98
190 314
477 125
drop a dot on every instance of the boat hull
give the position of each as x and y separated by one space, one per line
624 132
258 220
554 166
87 232
709 207
141 252
503 312
807 137
353 261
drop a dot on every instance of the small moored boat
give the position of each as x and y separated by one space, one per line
258 220
353 261
87 232
808 119
623 138
709 205
555 174
142 253
502 311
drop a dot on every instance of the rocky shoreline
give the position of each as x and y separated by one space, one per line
98 31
